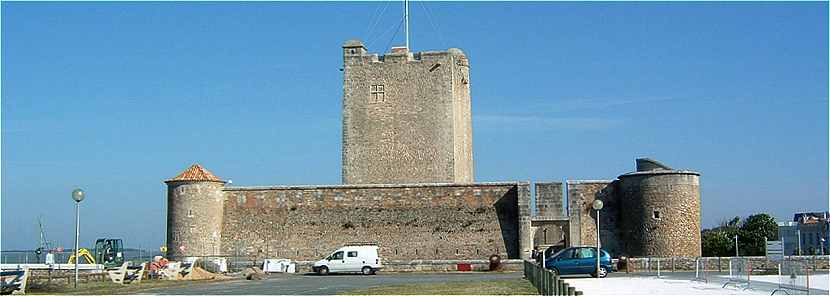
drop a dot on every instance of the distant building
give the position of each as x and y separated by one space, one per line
807 231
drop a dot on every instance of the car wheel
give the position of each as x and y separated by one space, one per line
366 270
603 272
555 271
323 270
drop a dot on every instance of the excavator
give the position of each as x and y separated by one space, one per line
108 251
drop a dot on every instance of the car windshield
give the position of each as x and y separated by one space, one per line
554 255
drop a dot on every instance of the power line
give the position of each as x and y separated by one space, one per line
377 18
396 34
434 26
379 37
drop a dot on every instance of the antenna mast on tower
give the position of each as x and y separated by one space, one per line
406 20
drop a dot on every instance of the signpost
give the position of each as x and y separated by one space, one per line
775 250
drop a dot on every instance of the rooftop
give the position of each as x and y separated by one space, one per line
195 173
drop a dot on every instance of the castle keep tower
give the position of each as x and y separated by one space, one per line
661 210
406 117
194 213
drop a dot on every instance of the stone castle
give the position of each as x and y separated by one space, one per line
408 185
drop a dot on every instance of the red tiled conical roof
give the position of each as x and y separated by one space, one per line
196 173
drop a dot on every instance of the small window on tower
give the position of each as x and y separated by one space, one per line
377 94
656 214
190 213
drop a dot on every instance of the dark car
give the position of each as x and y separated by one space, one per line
579 260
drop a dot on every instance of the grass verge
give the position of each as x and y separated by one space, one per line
109 288
498 287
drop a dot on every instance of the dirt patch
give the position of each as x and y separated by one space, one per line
200 274
253 273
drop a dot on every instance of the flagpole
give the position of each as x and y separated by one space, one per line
406 17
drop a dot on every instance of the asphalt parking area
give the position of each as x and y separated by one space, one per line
310 284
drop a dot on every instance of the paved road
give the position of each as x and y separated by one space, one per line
333 284
722 278
305 284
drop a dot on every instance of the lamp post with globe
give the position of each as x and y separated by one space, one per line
598 206
77 195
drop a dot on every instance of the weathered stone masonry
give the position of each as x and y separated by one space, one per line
406 117
417 221
194 212
408 170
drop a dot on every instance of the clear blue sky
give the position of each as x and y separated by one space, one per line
117 97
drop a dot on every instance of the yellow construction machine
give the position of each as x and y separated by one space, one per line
108 251
83 253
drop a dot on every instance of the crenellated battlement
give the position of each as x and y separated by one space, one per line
354 52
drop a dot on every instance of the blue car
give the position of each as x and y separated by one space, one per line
579 260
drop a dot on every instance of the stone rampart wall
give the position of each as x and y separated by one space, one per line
581 196
417 221
549 200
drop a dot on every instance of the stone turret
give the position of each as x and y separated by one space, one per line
662 210
194 213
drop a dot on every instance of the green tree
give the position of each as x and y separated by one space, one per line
720 241
755 230
735 222
715 243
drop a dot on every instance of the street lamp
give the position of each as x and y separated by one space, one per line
598 206
77 195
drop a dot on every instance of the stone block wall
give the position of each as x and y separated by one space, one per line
525 239
550 203
759 264
416 221
550 233
581 196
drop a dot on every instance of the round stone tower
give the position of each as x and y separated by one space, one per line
660 212
194 213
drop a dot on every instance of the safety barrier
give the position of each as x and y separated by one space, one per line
654 266
13 282
701 274
546 281
739 273
793 278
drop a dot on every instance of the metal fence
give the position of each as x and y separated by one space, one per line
653 266
30 257
547 282
793 278
701 273
740 271
796 274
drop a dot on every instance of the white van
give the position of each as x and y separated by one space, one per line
351 258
